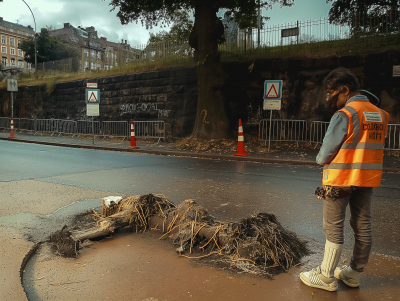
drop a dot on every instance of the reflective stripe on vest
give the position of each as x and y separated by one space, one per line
365 166
363 145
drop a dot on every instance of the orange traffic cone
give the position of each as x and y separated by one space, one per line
12 129
240 148
133 140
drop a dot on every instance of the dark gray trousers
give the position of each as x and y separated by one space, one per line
360 220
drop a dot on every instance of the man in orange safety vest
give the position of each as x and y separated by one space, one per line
352 155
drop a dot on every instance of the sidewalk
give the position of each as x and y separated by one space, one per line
153 271
279 155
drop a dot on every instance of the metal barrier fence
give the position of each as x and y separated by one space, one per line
66 127
5 123
86 127
24 124
121 129
46 126
115 129
392 141
318 131
281 129
150 129
284 130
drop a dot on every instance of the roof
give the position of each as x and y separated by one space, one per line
16 25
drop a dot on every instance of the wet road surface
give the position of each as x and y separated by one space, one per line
229 190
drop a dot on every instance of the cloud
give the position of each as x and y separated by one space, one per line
83 13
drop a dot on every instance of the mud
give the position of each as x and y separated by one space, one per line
142 267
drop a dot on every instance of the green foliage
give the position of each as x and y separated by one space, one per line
48 48
156 12
343 11
179 32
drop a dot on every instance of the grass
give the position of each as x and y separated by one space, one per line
49 78
316 49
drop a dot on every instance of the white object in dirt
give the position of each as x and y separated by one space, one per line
111 199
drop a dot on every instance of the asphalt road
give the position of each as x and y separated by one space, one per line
230 190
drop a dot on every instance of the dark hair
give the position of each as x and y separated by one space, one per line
341 77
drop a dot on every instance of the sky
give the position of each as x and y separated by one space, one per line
97 13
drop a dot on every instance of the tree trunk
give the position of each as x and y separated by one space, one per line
211 120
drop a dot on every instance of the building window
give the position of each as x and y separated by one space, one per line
19 52
3 40
4 60
12 61
86 65
85 52
12 51
19 43
93 53
3 49
12 42
20 63
99 55
98 66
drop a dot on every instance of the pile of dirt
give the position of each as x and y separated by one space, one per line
258 244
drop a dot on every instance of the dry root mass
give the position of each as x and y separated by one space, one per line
258 244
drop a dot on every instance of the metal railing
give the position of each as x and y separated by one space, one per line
359 31
24 124
119 129
317 132
150 129
87 127
284 130
66 127
5 123
392 141
45 126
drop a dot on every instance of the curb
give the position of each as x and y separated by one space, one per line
182 154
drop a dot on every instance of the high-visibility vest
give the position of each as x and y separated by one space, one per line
359 161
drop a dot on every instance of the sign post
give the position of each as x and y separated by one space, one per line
92 97
12 86
272 101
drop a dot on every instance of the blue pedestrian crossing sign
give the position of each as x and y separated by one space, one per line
92 96
272 89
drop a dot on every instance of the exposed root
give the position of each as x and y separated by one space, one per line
257 245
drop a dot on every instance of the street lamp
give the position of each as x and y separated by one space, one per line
35 37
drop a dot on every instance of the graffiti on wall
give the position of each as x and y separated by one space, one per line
143 108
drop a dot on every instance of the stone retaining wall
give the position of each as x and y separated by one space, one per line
171 95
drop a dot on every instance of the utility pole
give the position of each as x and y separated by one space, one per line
259 22
35 39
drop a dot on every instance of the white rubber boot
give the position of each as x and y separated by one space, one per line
322 277
348 276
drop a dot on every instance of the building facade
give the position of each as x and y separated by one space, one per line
11 35
97 53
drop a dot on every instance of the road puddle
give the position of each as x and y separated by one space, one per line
142 267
